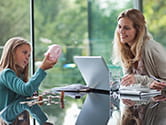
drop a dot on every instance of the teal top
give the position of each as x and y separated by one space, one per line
12 87
13 110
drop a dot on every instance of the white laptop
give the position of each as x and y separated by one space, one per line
94 71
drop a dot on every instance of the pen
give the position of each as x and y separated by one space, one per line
153 77
154 105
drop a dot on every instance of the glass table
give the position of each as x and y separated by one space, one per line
93 108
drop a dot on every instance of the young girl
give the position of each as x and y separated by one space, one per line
14 62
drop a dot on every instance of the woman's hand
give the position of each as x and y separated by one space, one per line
128 80
128 102
159 98
46 63
157 85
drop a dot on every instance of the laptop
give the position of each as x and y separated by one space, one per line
95 74
94 71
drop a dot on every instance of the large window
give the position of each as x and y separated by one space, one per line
81 27
102 23
65 23
14 20
155 13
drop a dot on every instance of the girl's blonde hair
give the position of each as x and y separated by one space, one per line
8 56
123 53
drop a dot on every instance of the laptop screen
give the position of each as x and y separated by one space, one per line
94 71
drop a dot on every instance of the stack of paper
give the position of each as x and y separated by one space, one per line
142 91
72 88
135 97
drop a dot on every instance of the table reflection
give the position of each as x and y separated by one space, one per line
14 110
95 110
141 111
99 109
156 111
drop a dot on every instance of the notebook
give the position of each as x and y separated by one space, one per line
94 71
136 97
138 90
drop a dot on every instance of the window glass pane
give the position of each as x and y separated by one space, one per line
102 23
62 22
155 14
67 23
14 20
102 19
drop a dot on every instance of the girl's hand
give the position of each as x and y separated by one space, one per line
46 63
157 85
128 80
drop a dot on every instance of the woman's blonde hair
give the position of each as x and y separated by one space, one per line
130 117
123 53
8 56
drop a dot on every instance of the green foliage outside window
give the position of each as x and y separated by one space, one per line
155 14
66 23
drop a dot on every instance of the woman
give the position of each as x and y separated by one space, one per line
141 57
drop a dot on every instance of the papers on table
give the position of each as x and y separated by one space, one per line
142 91
72 88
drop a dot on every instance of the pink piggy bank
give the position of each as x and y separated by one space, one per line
54 51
